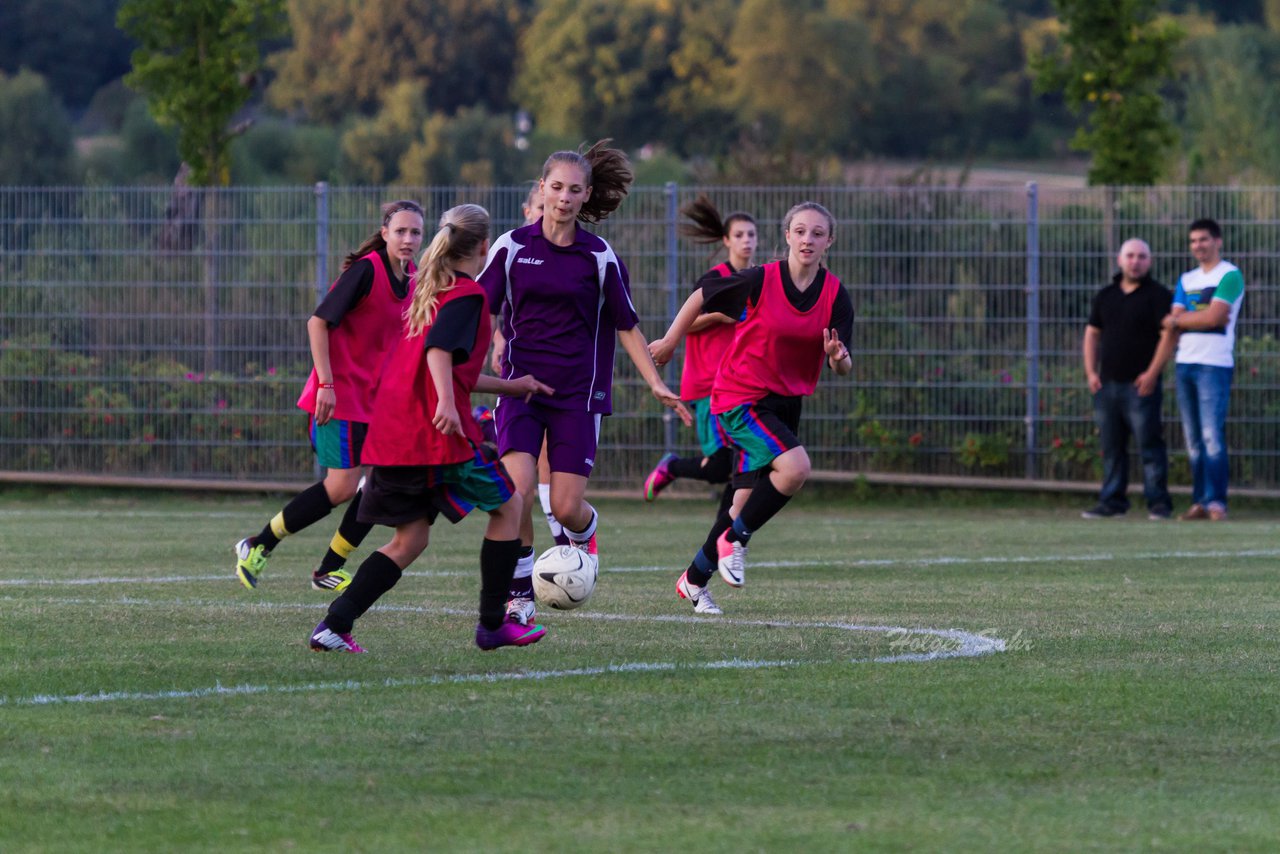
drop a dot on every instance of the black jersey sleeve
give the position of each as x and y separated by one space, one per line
730 295
353 285
455 327
842 317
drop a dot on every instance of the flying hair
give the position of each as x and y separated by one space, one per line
607 171
376 241
463 230
705 225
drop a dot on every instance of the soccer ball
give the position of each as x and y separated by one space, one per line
564 577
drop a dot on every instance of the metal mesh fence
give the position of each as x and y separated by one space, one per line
154 332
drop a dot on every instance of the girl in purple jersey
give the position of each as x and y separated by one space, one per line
709 338
354 327
564 298
795 316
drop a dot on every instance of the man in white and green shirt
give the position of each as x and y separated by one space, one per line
1206 305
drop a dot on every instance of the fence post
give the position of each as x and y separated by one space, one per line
673 287
322 238
1033 325
322 259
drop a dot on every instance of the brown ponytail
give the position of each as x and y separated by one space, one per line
706 226
608 173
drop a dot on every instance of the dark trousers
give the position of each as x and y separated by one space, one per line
1121 412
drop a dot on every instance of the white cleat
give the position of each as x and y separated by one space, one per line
699 596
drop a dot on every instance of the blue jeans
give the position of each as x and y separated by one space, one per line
1120 412
1204 391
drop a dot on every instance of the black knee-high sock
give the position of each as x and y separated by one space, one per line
376 576
350 534
762 505
706 558
497 563
719 467
686 467
726 499
307 507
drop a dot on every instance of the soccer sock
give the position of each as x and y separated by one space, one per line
763 504
705 561
719 466
726 498
585 535
522 579
376 576
498 560
544 497
350 534
308 507
690 467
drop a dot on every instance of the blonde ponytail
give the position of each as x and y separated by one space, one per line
463 230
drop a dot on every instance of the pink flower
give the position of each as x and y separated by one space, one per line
271 372
222 404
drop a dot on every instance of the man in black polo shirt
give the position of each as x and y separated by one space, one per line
1125 350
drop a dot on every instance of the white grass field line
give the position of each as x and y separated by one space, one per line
858 563
949 643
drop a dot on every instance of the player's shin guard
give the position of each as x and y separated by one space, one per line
763 504
497 565
307 507
521 586
350 534
704 562
376 576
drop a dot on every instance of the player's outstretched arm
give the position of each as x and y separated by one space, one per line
663 349
638 349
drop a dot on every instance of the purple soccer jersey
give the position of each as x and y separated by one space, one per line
564 306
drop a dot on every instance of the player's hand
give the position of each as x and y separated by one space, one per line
446 419
661 350
326 400
831 345
495 357
1095 383
672 401
526 387
1145 384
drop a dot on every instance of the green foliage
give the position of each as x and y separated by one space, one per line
1232 113
195 64
984 451
276 151
1114 57
73 44
346 55
35 145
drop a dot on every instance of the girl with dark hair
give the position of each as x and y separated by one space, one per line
708 338
794 316
564 295
351 331
425 447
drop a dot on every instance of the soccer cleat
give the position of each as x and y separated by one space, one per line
520 610
337 581
732 562
325 639
589 546
699 596
250 561
659 479
508 634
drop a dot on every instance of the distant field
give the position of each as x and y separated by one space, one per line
1101 685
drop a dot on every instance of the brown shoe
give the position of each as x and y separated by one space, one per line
1217 514
1194 512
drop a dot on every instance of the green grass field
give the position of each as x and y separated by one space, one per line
149 703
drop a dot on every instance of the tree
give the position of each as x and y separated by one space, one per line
1232 117
36 146
600 68
346 54
1113 58
196 64
74 44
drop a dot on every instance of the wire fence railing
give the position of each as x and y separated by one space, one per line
160 333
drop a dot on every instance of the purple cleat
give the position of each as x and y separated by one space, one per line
325 639
659 479
508 634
